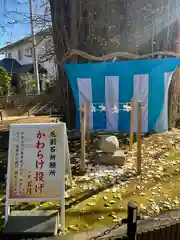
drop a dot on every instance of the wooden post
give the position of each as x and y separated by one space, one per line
139 132
1 116
28 113
87 125
83 139
131 126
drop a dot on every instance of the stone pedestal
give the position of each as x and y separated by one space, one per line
39 223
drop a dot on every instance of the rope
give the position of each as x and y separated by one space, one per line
111 56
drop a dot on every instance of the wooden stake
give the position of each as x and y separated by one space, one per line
1 116
87 125
139 132
131 126
83 138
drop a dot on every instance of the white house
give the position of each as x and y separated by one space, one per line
22 51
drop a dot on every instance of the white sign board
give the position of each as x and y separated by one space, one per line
38 154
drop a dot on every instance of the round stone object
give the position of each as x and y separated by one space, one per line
108 144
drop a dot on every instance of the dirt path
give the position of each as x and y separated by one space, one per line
24 119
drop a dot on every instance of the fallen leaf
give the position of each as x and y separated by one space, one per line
107 190
157 177
142 207
111 214
176 202
107 205
142 194
116 220
138 187
73 228
149 175
101 218
155 208
114 217
91 204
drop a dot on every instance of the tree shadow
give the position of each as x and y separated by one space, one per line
95 211
90 217
82 196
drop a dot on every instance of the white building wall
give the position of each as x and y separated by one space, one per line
40 50
43 46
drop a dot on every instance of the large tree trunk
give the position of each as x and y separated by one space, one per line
61 33
105 26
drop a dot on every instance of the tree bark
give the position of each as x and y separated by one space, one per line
61 33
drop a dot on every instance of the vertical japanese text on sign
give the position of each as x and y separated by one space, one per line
16 172
21 177
52 157
29 183
40 145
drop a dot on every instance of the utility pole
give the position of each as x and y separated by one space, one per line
36 72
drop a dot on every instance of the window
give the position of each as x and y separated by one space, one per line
19 55
28 52
9 55
47 45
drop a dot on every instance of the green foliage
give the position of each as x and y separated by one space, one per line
5 81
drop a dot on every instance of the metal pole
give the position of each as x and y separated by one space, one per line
132 221
36 71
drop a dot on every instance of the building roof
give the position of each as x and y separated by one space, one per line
13 66
26 39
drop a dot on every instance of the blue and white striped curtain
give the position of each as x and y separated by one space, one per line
109 86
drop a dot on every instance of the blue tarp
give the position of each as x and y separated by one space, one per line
108 86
